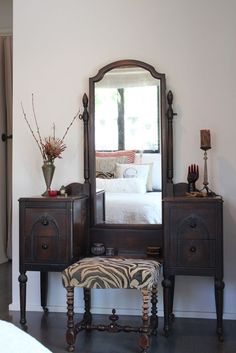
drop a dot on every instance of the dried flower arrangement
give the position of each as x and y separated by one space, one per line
50 147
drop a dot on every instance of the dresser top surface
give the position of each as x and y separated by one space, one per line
193 199
53 198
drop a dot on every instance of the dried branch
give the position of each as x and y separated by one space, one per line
54 130
32 132
36 122
50 147
76 116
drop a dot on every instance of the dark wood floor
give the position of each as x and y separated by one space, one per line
188 335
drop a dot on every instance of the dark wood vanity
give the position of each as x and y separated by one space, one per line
190 235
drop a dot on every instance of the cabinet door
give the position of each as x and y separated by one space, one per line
45 235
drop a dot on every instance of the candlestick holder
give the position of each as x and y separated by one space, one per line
205 175
205 137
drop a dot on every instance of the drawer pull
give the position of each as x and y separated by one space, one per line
193 224
44 246
44 221
193 249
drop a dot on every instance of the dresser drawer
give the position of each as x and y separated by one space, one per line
192 222
195 253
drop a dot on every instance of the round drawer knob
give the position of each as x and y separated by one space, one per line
193 249
44 246
193 224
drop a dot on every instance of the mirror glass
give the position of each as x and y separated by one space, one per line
127 131
126 109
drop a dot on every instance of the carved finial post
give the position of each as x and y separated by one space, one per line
170 114
85 118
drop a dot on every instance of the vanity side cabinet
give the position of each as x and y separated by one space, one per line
53 233
193 246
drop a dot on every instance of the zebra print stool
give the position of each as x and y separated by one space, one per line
117 272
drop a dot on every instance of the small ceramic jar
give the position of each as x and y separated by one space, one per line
98 249
110 252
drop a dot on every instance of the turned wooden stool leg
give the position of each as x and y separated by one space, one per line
70 333
87 318
154 317
144 340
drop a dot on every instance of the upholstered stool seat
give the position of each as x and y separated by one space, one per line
115 272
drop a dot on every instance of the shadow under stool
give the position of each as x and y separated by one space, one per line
112 272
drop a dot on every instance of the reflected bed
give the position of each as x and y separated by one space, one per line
133 208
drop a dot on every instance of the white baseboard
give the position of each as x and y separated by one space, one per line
125 311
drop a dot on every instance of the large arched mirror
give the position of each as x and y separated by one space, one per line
128 155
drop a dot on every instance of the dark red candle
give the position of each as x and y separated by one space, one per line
52 193
205 139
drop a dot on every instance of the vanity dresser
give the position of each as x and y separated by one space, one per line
186 231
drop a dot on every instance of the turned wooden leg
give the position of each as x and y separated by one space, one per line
70 333
172 291
144 341
87 318
22 281
44 290
166 284
219 289
154 317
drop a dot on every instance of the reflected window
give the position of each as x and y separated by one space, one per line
127 115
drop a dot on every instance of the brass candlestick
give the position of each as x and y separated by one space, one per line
205 175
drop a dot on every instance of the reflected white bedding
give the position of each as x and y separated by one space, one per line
133 208
14 340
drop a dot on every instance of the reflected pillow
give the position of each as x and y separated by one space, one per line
150 177
132 171
155 160
130 154
108 164
104 175
130 185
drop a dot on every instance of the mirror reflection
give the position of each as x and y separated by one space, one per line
127 111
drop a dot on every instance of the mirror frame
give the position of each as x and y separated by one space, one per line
133 239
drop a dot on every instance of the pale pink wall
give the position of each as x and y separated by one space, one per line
58 45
